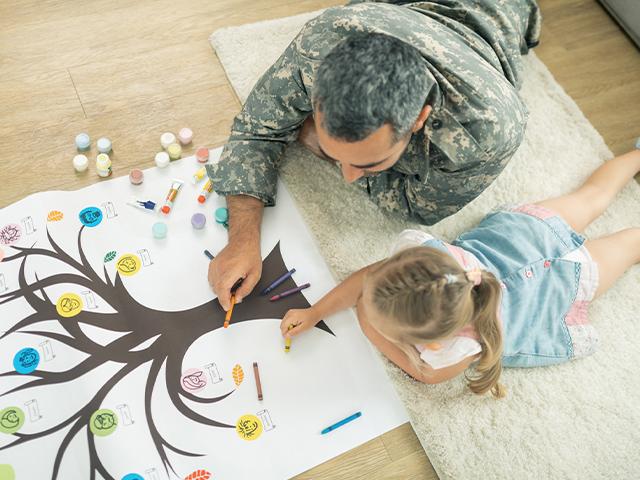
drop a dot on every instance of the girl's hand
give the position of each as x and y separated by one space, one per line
297 321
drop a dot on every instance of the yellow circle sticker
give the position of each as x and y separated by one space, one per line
249 427
69 305
128 264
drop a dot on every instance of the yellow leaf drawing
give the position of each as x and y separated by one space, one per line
55 216
238 375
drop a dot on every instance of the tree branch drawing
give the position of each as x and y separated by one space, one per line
167 337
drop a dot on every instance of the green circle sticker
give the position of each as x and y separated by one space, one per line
103 422
11 420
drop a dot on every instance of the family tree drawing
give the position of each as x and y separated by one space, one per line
165 338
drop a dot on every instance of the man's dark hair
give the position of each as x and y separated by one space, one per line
367 80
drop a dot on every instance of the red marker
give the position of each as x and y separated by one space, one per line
289 292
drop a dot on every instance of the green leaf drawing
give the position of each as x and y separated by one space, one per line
110 256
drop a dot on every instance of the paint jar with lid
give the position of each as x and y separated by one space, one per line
103 165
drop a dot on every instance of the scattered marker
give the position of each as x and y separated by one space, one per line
278 281
176 185
209 254
199 175
289 292
206 191
256 374
227 318
341 423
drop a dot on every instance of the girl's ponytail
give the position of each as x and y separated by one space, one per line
486 298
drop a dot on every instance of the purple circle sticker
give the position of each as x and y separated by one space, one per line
10 234
193 380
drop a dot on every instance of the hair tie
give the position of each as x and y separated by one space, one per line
474 276
450 278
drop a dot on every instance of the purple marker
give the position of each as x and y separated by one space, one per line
278 281
289 292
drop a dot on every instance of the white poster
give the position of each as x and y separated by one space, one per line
114 361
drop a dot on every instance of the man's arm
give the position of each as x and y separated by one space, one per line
247 171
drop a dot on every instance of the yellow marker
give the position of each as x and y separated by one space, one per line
287 341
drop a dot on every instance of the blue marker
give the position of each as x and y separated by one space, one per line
278 281
209 255
341 422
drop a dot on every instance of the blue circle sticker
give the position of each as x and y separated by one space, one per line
132 476
26 360
90 216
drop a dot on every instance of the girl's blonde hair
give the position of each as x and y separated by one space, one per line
427 297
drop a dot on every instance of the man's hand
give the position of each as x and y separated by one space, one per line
241 258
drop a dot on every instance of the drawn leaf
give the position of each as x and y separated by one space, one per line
238 375
110 256
55 216
198 475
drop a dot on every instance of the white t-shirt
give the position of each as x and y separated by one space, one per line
455 349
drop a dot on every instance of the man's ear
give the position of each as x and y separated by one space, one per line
422 117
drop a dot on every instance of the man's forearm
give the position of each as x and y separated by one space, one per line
245 217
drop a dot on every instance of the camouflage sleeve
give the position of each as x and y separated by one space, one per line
269 120
441 194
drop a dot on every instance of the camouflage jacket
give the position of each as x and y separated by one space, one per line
472 49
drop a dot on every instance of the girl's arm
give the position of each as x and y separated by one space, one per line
343 296
424 373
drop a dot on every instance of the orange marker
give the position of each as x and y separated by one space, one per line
227 318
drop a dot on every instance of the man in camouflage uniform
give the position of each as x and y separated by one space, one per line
468 122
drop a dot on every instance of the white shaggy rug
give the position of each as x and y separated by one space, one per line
577 421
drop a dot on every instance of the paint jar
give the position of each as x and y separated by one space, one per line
167 139
83 142
159 230
80 163
202 154
104 145
103 165
198 221
136 176
162 159
185 135
175 151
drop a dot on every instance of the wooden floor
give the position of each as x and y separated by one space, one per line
132 70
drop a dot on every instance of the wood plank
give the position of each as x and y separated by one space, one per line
415 466
40 159
33 101
401 441
362 460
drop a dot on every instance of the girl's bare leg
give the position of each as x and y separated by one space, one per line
614 254
589 201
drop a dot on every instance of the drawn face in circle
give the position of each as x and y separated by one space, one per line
128 264
249 427
193 381
69 304
10 419
104 421
29 358
90 216
10 233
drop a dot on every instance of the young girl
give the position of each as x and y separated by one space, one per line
513 292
